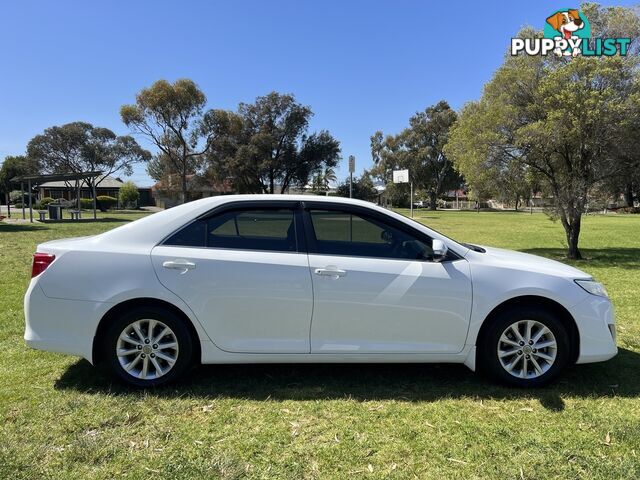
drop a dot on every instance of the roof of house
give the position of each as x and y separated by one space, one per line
107 182
55 177
195 184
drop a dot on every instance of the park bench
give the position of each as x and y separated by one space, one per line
43 215
75 214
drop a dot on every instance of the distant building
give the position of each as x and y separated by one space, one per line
167 193
109 186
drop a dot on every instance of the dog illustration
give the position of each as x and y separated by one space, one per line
566 23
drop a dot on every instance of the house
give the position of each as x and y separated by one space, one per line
167 193
109 186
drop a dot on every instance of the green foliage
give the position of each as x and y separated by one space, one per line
420 149
128 194
87 203
171 117
14 166
362 188
564 126
632 210
266 146
79 147
105 202
322 181
44 201
15 196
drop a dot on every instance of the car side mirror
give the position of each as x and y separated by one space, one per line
440 250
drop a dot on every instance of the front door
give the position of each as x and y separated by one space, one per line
377 289
245 277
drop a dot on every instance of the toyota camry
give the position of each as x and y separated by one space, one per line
263 278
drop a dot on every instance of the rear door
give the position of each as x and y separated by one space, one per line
244 273
377 288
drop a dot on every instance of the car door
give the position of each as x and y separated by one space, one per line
244 273
378 290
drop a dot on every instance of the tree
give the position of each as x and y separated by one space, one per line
564 121
363 188
14 166
321 182
265 147
419 148
128 194
171 116
616 22
80 147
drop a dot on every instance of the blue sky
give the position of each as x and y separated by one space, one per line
362 66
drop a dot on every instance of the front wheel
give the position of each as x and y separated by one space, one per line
148 347
525 347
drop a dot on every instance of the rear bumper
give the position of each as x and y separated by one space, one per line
57 325
596 324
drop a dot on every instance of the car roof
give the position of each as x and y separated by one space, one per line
151 230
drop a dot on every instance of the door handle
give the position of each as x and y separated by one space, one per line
330 272
182 265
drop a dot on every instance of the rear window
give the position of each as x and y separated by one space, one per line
250 229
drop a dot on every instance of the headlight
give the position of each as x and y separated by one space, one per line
593 287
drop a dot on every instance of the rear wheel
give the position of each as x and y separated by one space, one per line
148 347
525 347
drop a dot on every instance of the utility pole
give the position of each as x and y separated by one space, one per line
352 168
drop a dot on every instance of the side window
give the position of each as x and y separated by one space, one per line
193 235
255 229
346 233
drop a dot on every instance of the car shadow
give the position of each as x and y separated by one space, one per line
599 257
369 382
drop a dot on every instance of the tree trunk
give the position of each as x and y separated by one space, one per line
572 230
433 200
517 201
183 194
628 195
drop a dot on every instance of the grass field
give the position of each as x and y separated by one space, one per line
61 418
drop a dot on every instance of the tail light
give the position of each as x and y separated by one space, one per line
40 263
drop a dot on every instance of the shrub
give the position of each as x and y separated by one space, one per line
46 201
128 195
86 203
15 196
628 210
17 205
105 202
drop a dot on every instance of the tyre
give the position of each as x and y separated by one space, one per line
525 347
148 347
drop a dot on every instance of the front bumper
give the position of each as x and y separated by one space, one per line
596 324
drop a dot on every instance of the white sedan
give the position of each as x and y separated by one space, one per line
257 278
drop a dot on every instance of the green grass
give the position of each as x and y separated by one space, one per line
61 418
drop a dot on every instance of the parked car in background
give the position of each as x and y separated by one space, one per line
258 278
419 204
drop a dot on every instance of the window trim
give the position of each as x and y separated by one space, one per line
312 246
248 205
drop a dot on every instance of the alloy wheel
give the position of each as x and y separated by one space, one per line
527 349
147 349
